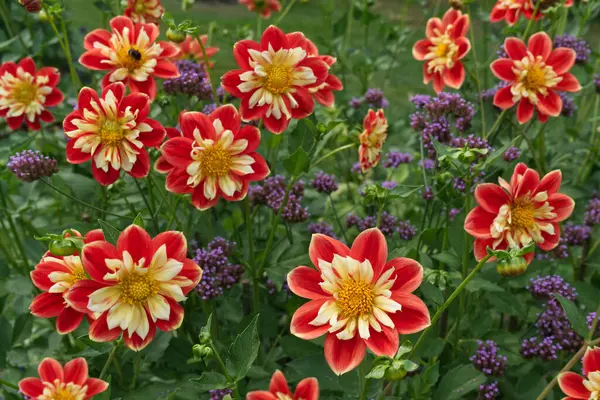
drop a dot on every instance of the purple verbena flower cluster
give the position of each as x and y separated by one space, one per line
192 81
324 183
553 323
487 359
511 154
29 165
576 235
427 193
472 142
321 227
459 184
547 349
389 185
581 48
592 212
352 220
395 158
373 97
545 287
218 394
208 108
453 213
489 391
218 272
272 194
389 224
569 106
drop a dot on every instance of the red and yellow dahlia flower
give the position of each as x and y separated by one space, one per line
144 11
358 298
214 157
324 92
307 389
534 73
161 164
25 93
56 382
136 286
511 10
190 49
54 276
585 387
372 139
513 215
445 46
263 7
131 54
113 132
274 79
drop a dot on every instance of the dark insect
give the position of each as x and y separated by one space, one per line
136 55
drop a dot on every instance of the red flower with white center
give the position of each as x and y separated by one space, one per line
511 10
214 157
445 46
519 212
113 132
307 389
131 54
68 383
135 286
144 11
357 298
275 79
25 93
190 49
372 139
54 276
263 7
534 73
324 92
586 387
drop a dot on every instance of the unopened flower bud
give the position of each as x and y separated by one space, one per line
175 35
396 371
204 337
198 351
64 247
32 6
512 266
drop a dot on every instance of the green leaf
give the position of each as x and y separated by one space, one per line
449 258
139 220
243 351
211 380
378 371
111 234
432 293
100 5
303 136
297 163
478 283
574 314
459 382
6 330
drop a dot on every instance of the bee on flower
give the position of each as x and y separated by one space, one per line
446 45
372 139
517 213
26 93
135 287
357 298
263 7
112 131
307 389
131 54
534 74
144 11
275 78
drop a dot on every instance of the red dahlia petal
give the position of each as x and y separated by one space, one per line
344 355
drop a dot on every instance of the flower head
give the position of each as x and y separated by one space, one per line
190 49
446 45
144 11
219 274
324 183
25 93
517 213
55 382
29 165
112 131
263 7
131 54
357 298
54 276
511 10
307 389
535 72
487 359
511 154
372 139
275 78
587 386
136 286
215 157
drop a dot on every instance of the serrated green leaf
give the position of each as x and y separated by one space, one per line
111 234
297 163
243 351
574 314
211 381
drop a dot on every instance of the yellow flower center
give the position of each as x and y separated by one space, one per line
592 383
522 215
130 58
535 78
355 298
281 396
442 49
62 391
136 288
279 79
63 394
25 92
214 161
139 7
79 274
111 133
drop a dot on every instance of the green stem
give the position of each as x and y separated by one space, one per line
7 24
220 361
348 26
496 125
449 301
252 264
387 388
207 68
326 156
465 264
477 80
111 356
379 212
534 154
154 222
284 12
337 219
64 45
72 70
590 334
13 229
258 25
136 370
364 383
8 384
173 213
532 20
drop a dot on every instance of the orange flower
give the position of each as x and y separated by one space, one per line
263 7
190 49
26 93
443 49
144 11
372 139
71 382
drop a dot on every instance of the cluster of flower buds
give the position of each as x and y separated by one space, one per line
396 368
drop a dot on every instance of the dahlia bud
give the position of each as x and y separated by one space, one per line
63 247
456 4
201 351
204 337
512 266
395 372
175 35
32 6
